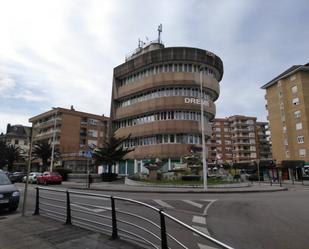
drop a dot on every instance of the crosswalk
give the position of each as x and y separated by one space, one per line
198 222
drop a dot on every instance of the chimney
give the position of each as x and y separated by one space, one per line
8 128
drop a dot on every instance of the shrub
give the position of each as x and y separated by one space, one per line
191 178
63 172
108 177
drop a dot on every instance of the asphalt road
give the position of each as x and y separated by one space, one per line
246 220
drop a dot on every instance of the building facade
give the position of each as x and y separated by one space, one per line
19 136
157 99
238 139
72 132
287 103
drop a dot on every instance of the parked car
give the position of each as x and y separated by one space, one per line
49 178
17 176
9 194
32 177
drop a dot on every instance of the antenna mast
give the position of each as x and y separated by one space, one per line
159 33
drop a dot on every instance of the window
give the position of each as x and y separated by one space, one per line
297 114
16 141
92 133
286 141
302 152
299 126
295 101
300 139
294 89
293 77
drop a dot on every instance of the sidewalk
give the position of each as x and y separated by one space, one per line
121 187
38 232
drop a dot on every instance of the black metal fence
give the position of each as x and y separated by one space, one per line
124 220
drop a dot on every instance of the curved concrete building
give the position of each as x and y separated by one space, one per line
156 98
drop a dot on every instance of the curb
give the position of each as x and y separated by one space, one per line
232 191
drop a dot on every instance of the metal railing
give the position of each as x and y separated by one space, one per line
82 211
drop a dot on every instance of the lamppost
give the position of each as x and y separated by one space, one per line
28 171
205 168
258 167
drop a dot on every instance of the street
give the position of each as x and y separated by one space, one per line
246 220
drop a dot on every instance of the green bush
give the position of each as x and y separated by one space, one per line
191 178
63 172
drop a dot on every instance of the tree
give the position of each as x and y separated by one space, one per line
43 150
12 154
111 152
3 149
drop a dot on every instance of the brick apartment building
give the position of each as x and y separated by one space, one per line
238 139
73 132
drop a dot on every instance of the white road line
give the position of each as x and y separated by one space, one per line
201 229
207 207
90 197
163 204
193 203
199 219
95 210
201 246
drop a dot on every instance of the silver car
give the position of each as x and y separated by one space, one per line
9 194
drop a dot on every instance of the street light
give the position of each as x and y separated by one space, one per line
205 167
28 172
257 163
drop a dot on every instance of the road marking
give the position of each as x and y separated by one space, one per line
207 207
90 197
95 210
201 246
199 219
163 204
201 229
193 203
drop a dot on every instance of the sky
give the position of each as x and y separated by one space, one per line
58 53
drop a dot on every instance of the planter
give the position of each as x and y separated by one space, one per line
109 177
191 178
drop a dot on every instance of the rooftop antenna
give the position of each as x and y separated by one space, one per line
159 33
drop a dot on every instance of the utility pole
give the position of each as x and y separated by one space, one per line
28 172
205 168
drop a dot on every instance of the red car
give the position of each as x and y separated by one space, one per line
49 178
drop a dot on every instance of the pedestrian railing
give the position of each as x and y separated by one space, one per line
151 228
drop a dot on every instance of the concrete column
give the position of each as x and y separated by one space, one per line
169 164
135 166
126 167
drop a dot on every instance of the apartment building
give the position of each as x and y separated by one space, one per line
157 99
19 136
238 139
287 103
72 132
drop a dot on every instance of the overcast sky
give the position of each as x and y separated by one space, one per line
58 53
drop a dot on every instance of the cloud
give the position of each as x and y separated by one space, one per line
7 84
62 53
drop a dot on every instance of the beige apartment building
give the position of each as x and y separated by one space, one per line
238 139
157 99
287 103
72 132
